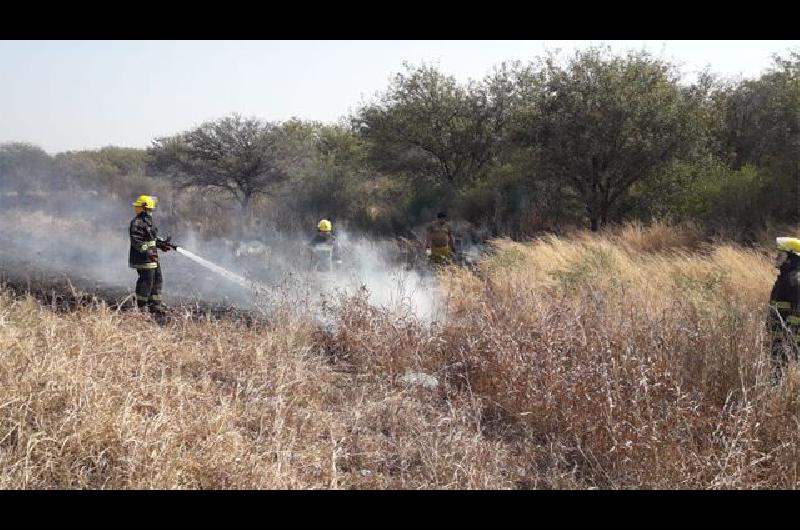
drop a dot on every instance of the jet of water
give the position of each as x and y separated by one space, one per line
225 273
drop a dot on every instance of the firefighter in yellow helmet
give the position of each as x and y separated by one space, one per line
143 255
439 239
784 317
324 247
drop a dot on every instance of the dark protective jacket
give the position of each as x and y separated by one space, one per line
143 242
785 295
326 239
784 313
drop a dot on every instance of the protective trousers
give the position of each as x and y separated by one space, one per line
441 255
148 288
785 331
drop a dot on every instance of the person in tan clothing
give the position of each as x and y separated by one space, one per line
439 240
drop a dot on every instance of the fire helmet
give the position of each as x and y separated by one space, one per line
788 244
145 201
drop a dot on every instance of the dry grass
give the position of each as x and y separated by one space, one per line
631 359
100 399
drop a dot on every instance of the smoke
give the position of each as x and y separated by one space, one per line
225 273
279 270
87 243
44 245
376 268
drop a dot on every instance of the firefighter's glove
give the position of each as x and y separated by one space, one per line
164 244
152 255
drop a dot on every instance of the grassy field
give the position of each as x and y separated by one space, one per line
637 358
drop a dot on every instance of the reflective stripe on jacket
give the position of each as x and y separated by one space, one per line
325 241
143 235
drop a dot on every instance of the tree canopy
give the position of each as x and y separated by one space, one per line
558 142
241 156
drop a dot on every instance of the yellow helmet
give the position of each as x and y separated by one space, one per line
145 201
325 226
788 244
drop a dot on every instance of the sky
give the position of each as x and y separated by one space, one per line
71 95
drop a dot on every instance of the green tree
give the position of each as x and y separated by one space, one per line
339 171
326 183
439 134
762 128
110 169
242 157
603 123
24 167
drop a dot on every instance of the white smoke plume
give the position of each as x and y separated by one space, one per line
88 244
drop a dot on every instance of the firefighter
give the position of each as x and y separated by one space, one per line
143 255
439 240
324 247
784 317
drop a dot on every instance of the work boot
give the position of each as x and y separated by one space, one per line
157 309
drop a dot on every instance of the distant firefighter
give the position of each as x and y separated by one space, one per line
324 247
784 317
439 239
143 255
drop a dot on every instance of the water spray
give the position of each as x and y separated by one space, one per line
225 273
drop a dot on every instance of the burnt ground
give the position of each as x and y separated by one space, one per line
68 291
69 263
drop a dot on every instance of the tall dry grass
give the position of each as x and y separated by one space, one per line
630 359
101 399
625 360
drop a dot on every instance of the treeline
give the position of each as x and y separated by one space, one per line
544 146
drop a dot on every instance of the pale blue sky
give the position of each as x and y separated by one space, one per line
66 95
